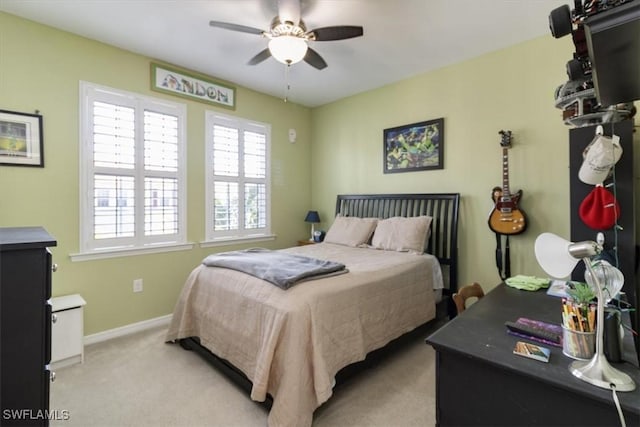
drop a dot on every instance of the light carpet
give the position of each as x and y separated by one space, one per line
139 380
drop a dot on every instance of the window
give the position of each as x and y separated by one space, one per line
237 162
132 154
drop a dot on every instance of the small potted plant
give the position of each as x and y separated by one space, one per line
581 293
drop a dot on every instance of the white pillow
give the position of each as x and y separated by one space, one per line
402 234
351 231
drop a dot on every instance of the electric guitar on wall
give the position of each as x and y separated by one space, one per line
506 217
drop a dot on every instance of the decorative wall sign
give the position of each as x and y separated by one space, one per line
414 147
191 85
21 139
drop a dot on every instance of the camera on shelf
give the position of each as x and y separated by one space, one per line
577 97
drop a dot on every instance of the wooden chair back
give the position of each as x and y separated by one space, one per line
466 292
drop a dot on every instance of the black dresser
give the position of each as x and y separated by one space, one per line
25 325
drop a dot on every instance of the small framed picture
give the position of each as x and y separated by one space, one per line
414 147
21 139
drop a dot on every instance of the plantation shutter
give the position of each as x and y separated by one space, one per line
132 161
239 174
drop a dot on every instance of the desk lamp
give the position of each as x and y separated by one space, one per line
313 218
558 257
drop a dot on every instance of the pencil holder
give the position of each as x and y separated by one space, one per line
578 345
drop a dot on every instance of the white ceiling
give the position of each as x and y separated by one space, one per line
401 38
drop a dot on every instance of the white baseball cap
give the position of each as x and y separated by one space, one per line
599 158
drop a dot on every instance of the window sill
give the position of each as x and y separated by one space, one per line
236 240
122 252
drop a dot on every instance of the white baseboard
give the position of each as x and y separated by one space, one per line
127 330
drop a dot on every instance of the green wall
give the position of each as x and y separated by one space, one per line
508 89
40 68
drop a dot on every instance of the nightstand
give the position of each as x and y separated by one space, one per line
306 242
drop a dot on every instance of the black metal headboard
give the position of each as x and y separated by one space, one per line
442 207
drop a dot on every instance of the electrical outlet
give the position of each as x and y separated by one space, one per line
137 285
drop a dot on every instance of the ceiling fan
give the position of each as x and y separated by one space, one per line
288 36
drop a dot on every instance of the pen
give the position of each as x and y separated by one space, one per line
565 313
576 321
592 317
581 321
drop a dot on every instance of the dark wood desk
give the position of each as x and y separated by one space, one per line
479 381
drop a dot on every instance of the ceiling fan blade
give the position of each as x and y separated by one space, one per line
314 59
289 10
260 57
339 32
236 27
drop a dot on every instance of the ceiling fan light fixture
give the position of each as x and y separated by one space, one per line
288 49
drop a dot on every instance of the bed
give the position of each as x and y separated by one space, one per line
288 345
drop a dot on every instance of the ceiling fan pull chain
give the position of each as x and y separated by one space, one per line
286 82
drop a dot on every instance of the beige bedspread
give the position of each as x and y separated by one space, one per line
291 343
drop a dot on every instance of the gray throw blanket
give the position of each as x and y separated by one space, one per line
280 268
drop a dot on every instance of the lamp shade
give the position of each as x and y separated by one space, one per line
288 49
312 216
552 253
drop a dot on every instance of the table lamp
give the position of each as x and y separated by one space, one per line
558 257
313 218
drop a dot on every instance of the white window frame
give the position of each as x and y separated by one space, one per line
214 238
91 248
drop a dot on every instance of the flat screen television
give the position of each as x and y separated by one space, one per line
613 41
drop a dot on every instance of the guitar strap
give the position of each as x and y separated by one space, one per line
504 269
